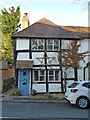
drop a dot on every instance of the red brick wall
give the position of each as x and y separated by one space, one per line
9 73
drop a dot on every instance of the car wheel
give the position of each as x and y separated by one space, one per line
82 102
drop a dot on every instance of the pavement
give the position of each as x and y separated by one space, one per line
57 98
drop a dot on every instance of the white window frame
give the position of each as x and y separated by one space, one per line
39 76
53 44
38 44
59 80
65 46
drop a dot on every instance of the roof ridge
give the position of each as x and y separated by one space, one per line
44 20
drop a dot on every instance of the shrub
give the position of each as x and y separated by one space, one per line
8 84
15 92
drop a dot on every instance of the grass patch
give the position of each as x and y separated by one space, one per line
48 95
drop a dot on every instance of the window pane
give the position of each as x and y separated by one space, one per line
24 73
50 41
49 44
50 47
36 76
51 78
41 78
56 44
56 75
41 72
65 44
51 72
34 44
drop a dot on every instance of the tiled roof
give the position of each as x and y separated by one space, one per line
79 31
24 64
44 28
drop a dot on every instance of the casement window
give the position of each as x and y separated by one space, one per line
54 76
38 44
53 44
39 75
65 44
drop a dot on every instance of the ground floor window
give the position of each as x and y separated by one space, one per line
54 76
39 75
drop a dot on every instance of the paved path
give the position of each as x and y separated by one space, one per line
31 99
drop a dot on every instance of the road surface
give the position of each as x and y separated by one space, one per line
42 111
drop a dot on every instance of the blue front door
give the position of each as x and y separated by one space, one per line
24 81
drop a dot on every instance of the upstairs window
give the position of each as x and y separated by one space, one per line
65 44
53 44
38 44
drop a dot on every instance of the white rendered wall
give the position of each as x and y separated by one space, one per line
69 72
37 55
22 44
23 56
54 87
39 87
53 54
41 55
86 74
83 48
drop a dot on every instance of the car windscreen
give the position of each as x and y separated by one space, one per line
73 85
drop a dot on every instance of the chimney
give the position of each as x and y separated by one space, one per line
25 21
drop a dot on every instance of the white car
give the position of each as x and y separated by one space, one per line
79 93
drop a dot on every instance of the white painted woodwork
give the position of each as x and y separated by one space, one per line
80 74
42 68
22 44
53 67
54 87
23 56
86 74
40 88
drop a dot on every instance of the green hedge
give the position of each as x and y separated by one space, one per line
8 84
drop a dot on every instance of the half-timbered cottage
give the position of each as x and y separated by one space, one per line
36 56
